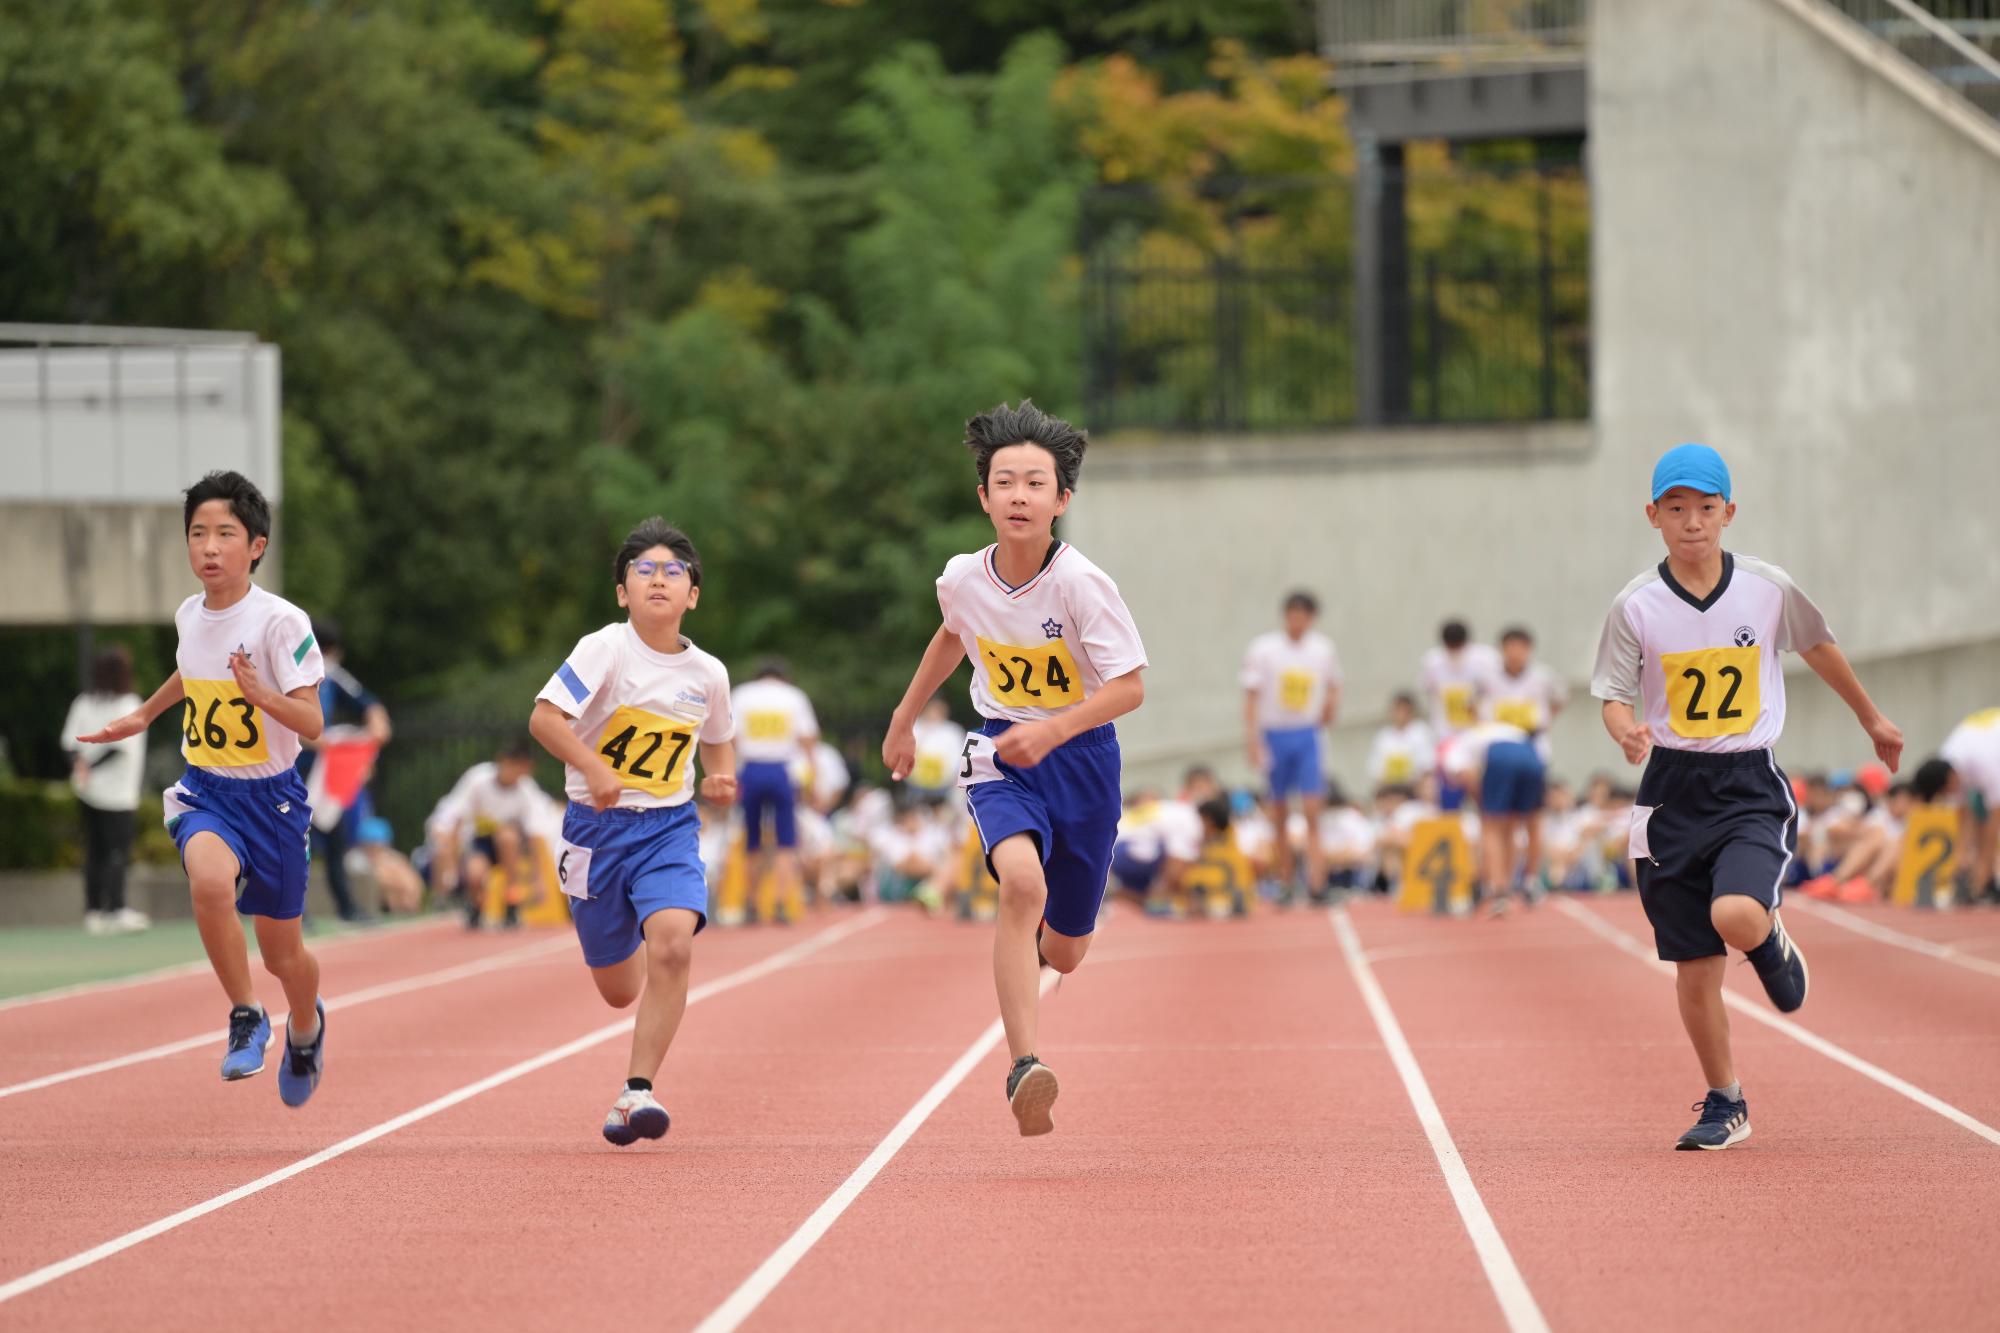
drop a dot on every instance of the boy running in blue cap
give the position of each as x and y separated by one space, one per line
1055 657
1698 639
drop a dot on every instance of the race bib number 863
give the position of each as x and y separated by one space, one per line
221 728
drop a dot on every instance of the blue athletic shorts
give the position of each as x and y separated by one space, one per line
1513 783
265 822
1295 763
1707 825
633 863
760 786
1070 803
1134 874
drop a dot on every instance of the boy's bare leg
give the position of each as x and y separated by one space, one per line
669 954
212 871
1024 895
283 947
1698 986
1311 806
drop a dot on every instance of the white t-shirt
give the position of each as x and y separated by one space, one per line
827 773
1345 831
117 766
1044 646
1708 668
1402 755
1164 828
643 711
1451 682
939 743
1529 701
774 719
894 845
478 796
220 730
1973 749
1291 678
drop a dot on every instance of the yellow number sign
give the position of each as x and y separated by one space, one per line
1437 868
648 751
1041 675
1712 691
1929 860
222 729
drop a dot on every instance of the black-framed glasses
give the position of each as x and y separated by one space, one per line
671 569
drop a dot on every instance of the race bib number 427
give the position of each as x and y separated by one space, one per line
1041 675
220 728
649 752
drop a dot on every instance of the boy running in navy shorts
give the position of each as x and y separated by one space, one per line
1698 640
1055 657
624 713
248 671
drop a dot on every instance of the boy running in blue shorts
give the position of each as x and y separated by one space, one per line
1698 640
1055 657
624 712
248 670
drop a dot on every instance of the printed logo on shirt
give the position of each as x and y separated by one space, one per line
1745 636
1052 628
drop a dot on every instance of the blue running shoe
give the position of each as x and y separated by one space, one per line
249 1034
1781 967
636 1115
298 1072
1722 1123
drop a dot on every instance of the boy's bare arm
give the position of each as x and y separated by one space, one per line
169 694
941 658
1634 737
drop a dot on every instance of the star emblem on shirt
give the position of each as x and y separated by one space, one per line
1052 628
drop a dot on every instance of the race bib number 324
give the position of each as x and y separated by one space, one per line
1041 675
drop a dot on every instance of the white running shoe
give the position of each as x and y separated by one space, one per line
635 1115
97 923
130 920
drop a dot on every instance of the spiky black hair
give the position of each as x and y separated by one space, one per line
992 431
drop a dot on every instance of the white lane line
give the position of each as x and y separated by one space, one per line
1517 1303
200 965
1777 1022
1861 925
41 1277
746 1298
422 981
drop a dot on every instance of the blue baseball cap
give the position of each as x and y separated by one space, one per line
1695 466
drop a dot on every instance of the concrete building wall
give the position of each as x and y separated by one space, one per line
1794 261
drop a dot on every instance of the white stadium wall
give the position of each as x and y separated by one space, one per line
1795 261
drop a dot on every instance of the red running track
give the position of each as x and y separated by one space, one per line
1234 1146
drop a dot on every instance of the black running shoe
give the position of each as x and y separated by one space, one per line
1031 1091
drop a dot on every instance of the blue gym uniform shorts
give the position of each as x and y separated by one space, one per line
1513 783
1070 803
761 786
1705 825
633 863
1295 762
265 822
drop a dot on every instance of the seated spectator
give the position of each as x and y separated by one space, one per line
1405 749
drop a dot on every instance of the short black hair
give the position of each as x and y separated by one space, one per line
111 670
252 510
1215 813
1302 600
1405 698
656 531
1196 772
1517 632
1453 634
1931 778
991 431
327 633
773 668
518 748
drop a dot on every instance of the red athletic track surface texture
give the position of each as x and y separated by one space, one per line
1234 1147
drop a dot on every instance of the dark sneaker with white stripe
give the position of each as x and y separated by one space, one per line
1781 967
1031 1091
1722 1123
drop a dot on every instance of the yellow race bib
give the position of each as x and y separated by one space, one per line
1295 689
1523 713
767 726
648 751
1042 675
1397 769
1458 714
1713 691
221 728
929 771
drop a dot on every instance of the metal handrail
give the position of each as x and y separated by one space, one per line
90 335
1974 75
1427 32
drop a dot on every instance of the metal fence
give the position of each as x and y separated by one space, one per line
1954 41
1359 34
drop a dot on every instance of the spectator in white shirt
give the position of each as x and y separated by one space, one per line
106 780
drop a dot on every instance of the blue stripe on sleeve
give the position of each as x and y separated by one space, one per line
575 682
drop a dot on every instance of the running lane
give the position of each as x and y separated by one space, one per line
1232 1150
1560 1063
